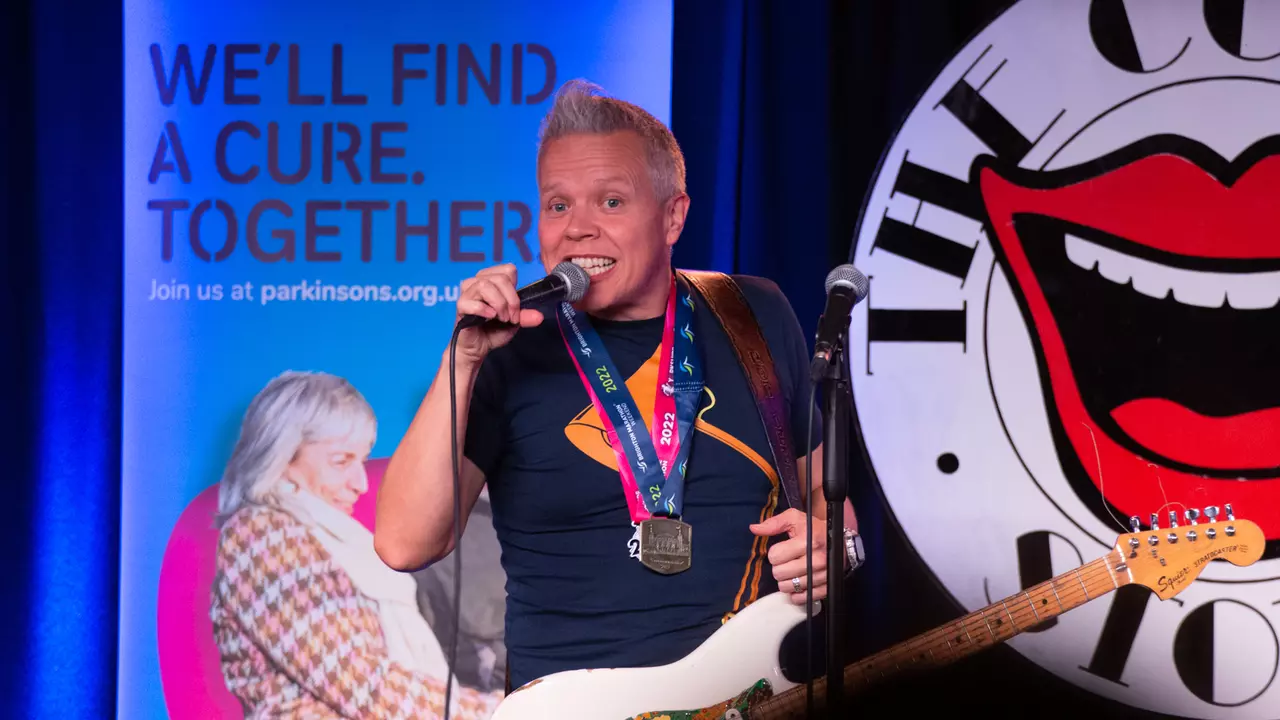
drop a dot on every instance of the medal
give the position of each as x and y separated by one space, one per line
651 463
666 545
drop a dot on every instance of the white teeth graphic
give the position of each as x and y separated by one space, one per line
1242 291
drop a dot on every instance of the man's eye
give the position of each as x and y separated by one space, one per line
613 203
557 207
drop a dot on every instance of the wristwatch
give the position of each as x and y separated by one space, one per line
853 550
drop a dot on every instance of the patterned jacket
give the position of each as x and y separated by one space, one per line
296 638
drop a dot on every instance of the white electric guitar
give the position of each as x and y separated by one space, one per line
735 674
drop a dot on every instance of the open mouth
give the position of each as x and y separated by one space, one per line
594 265
1151 280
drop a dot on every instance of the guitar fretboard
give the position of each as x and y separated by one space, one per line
976 631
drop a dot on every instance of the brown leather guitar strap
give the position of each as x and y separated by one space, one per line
728 304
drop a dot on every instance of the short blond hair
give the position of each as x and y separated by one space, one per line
581 107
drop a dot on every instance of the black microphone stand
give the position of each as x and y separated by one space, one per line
836 410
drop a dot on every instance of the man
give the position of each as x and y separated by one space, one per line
567 504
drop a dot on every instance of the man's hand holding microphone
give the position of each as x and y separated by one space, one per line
491 310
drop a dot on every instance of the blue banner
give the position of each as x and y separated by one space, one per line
306 184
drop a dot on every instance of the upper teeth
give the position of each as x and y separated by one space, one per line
593 265
1243 291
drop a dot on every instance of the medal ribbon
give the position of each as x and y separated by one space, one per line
652 464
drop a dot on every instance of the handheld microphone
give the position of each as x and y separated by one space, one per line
565 283
846 287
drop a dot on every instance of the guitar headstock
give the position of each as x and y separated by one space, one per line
1167 559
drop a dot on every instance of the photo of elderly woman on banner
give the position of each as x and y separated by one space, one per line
307 619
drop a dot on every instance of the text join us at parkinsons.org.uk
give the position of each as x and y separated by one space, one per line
304 291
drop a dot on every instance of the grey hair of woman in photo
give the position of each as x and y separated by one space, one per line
293 409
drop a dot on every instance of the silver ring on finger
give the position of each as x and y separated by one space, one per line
795 584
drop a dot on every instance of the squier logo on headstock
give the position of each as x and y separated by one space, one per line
1167 560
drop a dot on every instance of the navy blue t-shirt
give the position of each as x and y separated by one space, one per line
575 597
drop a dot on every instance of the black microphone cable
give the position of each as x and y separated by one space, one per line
576 282
457 518
808 564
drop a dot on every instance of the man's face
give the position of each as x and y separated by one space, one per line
599 210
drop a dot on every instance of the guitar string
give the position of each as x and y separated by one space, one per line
1023 610
977 618
1160 483
1088 575
1102 485
1102 480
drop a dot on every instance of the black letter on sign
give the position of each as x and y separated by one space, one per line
1193 645
231 73
515 234
168 87
1225 19
166 228
339 96
367 208
347 156
220 152
400 73
273 155
404 231
914 326
457 231
1118 633
160 163
921 246
295 72
314 231
468 65
549 70
379 152
233 230
986 122
1112 34
284 235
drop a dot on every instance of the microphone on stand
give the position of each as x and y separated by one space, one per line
846 287
565 283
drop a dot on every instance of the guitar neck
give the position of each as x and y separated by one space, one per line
976 631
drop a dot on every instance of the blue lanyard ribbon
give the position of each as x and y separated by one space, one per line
652 464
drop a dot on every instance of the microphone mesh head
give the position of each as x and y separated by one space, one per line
575 277
849 276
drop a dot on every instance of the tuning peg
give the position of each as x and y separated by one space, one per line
1155 521
1134 525
1192 515
1173 518
1211 512
1231 516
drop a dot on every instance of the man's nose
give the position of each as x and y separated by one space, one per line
581 225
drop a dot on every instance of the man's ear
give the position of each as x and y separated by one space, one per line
676 212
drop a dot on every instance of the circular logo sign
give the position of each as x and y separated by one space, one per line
1073 244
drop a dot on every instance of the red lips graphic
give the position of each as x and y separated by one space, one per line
1133 273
